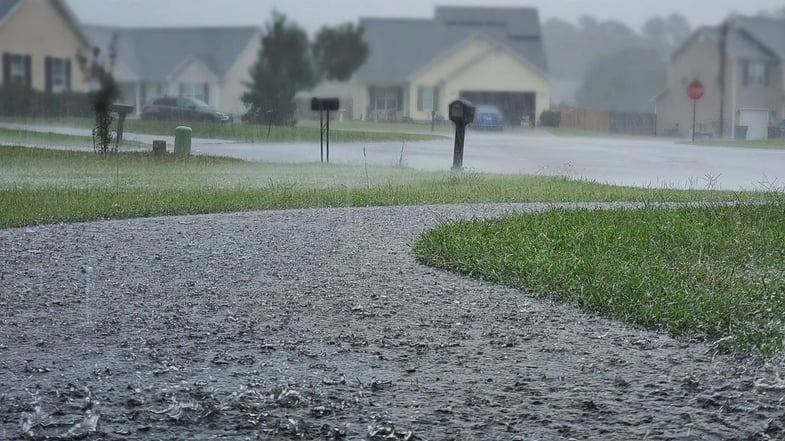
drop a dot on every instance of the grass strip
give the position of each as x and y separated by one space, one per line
712 272
45 186
19 136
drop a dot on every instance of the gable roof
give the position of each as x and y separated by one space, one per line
399 47
769 32
155 53
747 37
7 7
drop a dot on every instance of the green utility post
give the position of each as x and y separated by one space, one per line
182 140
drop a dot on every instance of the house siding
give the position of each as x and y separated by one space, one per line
500 71
233 85
698 60
38 29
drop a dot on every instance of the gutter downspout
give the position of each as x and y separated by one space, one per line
721 80
138 104
734 96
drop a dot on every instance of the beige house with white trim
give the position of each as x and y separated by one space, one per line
487 55
39 43
211 64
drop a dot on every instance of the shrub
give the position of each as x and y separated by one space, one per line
23 102
550 118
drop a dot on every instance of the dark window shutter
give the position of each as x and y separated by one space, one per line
28 71
48 73
766 70
747 74
6 68
68 74
182 89
435 98
420 98
207 93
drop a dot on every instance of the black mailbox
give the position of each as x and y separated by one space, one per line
328 104
462 112
324 105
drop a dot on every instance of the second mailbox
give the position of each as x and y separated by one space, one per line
462 112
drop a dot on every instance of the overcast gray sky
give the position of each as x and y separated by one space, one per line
311 14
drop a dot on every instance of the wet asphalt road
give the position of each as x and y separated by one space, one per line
643 162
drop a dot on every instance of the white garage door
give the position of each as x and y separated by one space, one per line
757 122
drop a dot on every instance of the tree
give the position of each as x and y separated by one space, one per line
625 81
105 91
283 68
339 51
667 33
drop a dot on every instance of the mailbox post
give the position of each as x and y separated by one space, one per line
324 105
122 111
462 114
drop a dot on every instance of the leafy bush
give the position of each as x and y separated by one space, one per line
23 102
550 118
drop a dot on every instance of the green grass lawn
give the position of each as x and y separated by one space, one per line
711 272
42 186
16 136
238 131
558 131
771 143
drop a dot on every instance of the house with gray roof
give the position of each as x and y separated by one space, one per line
741 67
211 64
483 54
39 43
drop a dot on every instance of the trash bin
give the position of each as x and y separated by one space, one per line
740 132
182 140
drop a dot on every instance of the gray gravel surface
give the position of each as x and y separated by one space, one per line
319 324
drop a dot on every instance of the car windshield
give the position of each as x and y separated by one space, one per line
195 102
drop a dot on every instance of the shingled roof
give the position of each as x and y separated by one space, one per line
399 47
7 6
770 32
155 53
749 37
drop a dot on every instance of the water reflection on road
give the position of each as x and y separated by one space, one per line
647 162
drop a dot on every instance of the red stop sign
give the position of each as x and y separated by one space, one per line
695 90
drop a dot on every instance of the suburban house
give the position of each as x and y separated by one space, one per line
416 67
211 64
741 67
39 42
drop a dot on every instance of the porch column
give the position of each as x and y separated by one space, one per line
138 104
734 97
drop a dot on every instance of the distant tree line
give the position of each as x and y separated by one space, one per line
289 63
618 67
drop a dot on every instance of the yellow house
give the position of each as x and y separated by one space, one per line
486 55
211 64
39 42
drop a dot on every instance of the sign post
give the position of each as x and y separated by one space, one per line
695 92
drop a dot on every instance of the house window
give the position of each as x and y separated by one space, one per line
58 74
199 91
16 69
756 74
427 98
385 98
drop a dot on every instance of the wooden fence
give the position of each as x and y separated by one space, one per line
594 120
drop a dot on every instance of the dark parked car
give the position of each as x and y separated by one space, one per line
183 109
488 117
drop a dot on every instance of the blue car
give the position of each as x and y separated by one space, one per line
488 117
